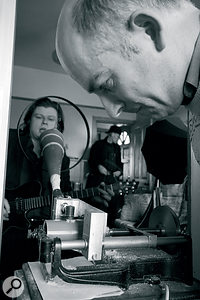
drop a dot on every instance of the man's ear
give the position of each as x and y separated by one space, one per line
147 20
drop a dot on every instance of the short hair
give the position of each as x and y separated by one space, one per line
109 18
45 102
88 14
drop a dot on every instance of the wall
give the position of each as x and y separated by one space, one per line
32 83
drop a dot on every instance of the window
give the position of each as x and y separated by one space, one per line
124 138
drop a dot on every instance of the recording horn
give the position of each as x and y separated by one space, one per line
52 150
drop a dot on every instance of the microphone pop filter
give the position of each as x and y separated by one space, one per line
52 150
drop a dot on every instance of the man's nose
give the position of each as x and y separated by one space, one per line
113 106
44 120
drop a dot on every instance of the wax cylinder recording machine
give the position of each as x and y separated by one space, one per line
153 250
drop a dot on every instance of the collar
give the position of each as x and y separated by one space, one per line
193 74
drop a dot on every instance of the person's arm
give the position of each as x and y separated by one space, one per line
117 173
95 161
104 198
101 201
103 170
119 164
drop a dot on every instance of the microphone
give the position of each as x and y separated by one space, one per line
52 150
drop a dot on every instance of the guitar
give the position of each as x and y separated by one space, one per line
21 204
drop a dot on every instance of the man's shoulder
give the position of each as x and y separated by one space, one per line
12 134
99 142
12 131
17 138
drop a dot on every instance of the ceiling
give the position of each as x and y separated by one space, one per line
36 22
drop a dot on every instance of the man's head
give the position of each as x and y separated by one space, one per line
133 54
43 114
114 134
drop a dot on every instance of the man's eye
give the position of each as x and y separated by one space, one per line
51 119
107 85
38 116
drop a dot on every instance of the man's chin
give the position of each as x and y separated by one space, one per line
145 118
142 121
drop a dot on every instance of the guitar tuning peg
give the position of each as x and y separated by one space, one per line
127 191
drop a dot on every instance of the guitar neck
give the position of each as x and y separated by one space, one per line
22 205
86 193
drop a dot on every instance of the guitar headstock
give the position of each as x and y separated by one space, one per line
125 187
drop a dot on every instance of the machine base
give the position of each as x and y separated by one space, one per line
136 291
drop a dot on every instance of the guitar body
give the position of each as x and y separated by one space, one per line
19 214
16 248
30 189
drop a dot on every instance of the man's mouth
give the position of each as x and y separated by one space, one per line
43 129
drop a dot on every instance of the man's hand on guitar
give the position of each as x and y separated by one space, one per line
103 170
6 210
116 174
105 195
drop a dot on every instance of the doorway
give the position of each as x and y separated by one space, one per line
134 166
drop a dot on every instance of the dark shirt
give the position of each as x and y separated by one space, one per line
107 155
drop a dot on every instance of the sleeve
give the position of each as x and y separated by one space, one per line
65 175
95 156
